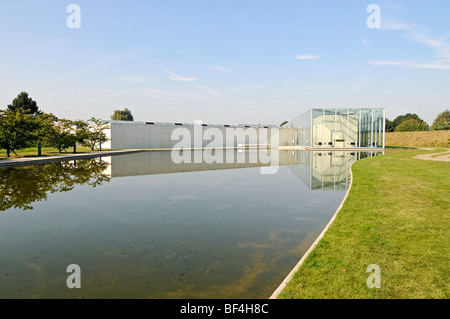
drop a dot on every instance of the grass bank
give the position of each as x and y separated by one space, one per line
396 216
419 139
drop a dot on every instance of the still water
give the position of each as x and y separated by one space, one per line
140 226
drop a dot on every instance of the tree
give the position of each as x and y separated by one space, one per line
412 125
92 134
442 121
24 102
81 131
122 115
61 135
285 122
402 118
45 126
27 105
389 126
443 127
18 130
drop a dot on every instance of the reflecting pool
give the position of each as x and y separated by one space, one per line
140 226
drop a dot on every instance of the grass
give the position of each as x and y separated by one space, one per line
401 147
46 151
396 216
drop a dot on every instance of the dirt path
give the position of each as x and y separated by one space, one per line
443 157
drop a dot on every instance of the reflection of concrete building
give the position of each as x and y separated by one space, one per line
160 162
340 128
318 170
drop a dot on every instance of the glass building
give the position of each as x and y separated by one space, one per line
340 128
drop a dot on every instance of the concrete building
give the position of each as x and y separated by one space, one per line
147 135
338 128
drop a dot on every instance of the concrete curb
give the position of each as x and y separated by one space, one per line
330 149
24 161
280 288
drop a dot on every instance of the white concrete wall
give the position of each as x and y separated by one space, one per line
107 145
145 136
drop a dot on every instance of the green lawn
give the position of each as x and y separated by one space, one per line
397 216
46 151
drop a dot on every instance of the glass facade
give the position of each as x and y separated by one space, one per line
340 128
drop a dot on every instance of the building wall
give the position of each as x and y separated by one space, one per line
302 124
145 136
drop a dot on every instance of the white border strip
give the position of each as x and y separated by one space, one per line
293 271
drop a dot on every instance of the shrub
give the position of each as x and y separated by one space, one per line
412 125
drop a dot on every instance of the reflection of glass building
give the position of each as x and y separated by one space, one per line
340 128
327 170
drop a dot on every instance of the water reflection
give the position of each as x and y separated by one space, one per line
22 186
327 170
317 169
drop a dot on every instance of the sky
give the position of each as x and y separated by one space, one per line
225 61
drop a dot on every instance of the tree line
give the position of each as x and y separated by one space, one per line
24 125
412 122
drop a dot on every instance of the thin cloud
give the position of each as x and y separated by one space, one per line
421 36
176 77
389 24
307 57
437 65
387 63
111 94
132 79
221 69
193 80
364 41
87 69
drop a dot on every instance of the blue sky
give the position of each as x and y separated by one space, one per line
226 61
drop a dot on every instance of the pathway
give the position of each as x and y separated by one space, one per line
442 157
